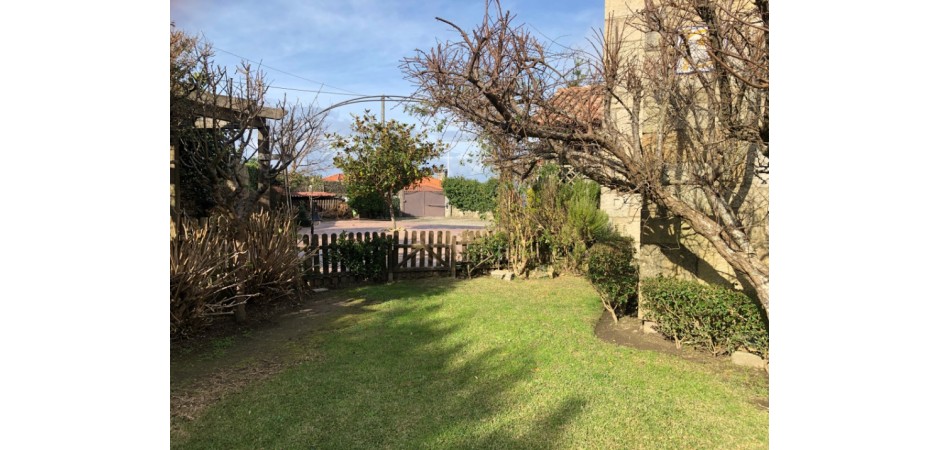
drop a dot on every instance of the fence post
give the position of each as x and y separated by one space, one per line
414 240
362 241
334 262
426 240
453 255
325 246
441 251
317 255
445 250
306 264
392 260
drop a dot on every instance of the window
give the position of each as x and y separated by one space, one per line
694 48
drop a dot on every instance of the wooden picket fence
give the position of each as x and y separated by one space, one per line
411 254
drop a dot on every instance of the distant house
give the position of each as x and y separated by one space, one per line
425 198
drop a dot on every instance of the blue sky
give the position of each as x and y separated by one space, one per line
350 48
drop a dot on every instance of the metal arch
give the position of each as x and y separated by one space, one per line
368 99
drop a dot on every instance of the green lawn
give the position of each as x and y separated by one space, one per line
482 364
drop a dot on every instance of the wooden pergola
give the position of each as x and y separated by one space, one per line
220 111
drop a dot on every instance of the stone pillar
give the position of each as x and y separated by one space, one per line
624 212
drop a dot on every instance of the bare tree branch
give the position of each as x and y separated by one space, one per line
682 117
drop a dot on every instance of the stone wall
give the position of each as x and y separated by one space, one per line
454 212
624 212
667 245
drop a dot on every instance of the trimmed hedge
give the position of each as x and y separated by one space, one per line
470 195
372 206
718 319
486 252
364 260
613 273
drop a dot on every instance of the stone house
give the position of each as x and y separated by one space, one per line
666 244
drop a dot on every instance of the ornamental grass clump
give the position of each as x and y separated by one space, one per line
269 267
218 264
201 256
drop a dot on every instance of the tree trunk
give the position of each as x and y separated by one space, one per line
610 309
264 168
391 209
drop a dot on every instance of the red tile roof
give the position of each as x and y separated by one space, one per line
577 105
427 184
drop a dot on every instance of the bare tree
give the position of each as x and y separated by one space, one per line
298 142
675 107
220 122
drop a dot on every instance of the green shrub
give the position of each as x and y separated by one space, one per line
336 187
712 317
564 217
336 211
470 195
486 252
302 214
367 259
614 274
372 206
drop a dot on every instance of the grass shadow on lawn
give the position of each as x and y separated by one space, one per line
412 373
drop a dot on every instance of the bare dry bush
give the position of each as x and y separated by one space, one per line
269 266
218 264
201 258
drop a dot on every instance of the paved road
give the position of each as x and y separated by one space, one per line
416 224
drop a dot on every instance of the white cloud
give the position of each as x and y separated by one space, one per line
357 45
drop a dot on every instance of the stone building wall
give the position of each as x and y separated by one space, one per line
667 245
